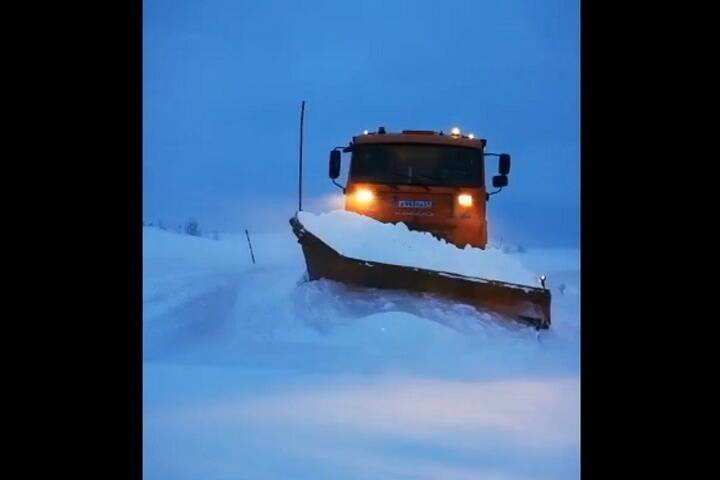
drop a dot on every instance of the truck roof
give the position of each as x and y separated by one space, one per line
419 136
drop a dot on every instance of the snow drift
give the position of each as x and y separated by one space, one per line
250 373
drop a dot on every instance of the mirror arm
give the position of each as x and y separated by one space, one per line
487 196
339 186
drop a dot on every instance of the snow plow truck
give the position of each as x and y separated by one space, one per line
432 182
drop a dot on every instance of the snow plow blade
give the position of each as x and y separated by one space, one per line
522 303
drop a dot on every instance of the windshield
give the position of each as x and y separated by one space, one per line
417 164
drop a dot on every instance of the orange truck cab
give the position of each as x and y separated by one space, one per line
430 181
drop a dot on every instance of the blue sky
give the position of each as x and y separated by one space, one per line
223 82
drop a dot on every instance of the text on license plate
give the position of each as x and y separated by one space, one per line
414 204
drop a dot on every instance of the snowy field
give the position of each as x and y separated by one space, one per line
251 373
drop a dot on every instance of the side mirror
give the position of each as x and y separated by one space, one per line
334 170
500 181
504 164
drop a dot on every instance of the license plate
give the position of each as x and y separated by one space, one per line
414 204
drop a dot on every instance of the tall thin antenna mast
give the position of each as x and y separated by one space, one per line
300 175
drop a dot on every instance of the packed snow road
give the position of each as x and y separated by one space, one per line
252 373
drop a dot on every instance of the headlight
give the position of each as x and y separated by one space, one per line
465 200
364 195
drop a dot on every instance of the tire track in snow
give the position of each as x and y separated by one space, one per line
188 316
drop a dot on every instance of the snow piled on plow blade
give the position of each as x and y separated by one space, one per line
364 238
408 256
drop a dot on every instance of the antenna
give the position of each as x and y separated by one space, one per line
300 176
